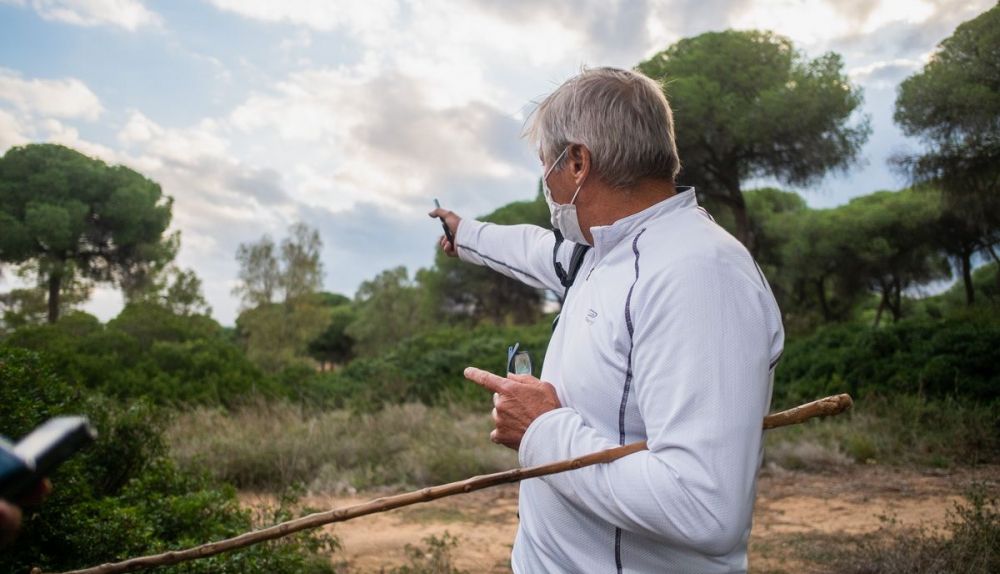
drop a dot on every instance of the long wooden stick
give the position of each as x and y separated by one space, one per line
823 407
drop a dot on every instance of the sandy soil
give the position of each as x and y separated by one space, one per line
790 505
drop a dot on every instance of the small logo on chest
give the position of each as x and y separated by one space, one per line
591 315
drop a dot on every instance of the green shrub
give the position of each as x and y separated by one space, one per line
124 496
148 352
428 368
970 544
903 429
953 357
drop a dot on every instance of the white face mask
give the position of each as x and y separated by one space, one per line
564 216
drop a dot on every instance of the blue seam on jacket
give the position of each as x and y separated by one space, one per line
498 262
628 381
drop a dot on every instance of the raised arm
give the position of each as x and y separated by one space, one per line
522 252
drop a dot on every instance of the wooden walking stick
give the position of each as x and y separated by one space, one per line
824 407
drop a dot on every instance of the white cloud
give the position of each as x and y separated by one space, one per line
53 131
424 99
11 132
354 137
65 98
887 73
128 14
371 18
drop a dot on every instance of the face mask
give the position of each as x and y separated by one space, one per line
564 216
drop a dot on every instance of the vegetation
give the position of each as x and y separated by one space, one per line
952 105
435 558
752 105
968 542
71 217
125 496
400 446
346 393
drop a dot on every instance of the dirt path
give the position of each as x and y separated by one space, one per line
790 506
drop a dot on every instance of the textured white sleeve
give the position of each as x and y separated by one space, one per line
701 348
522 252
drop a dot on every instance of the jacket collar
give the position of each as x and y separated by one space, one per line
606 237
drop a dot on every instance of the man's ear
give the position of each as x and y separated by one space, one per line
579 162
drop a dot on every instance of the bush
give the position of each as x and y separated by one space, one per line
123 496
428 368
149 352
896 430
953 357
971 544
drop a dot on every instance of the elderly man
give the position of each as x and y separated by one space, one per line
669 334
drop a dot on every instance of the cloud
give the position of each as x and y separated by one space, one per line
127 14
11 131
369 19
378 138
417 99
885 74
65 98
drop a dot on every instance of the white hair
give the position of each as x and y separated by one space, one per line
621 116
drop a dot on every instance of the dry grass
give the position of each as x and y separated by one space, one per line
271 446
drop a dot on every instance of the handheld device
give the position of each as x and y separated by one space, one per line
447 231
41 452
518 362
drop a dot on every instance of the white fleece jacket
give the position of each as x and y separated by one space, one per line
670 335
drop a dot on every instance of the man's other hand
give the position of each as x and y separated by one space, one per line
10 514
451 219
517 401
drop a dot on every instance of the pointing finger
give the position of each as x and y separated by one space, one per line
525 379
488 380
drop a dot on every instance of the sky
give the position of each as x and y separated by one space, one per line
352 116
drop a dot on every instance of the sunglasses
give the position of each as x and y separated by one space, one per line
518 362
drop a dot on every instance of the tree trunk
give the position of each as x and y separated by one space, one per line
821 293
996 259
896 306
881 307
55 285
744 230
970 292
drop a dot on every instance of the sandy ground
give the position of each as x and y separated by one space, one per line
790 505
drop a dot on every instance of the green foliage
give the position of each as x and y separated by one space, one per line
72 215
750 105
276 336
389 308
173 288
895 429
461 291
334 346
428 367
123 496
949 357
890 237
147 351
824 264
953 105
284 307
969 542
